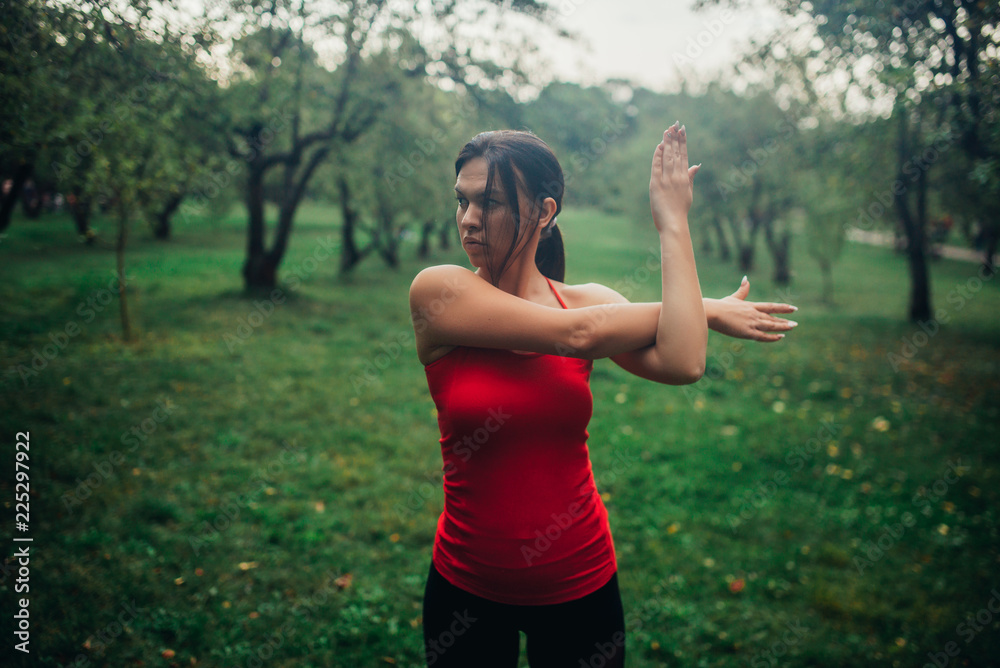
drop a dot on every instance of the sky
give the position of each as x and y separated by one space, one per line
651 42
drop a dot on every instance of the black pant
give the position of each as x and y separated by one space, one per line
462 630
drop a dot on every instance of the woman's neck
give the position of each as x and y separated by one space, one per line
522 278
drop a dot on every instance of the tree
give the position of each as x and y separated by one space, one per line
117 141
844 158
138 161
826 214
583 125
79 73
935 63
749 169
294 107
397 180
45 63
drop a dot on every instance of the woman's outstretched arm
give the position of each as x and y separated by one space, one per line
732 316
738 318
452 306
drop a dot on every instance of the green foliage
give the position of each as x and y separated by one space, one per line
111 110
228 525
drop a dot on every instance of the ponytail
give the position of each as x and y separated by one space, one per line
550 258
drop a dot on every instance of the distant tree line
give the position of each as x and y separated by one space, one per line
147 111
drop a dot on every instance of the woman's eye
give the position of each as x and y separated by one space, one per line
462 201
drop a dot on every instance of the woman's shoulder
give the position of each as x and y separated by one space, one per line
588 294
440 272
431 282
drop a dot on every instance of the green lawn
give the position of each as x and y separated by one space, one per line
256 482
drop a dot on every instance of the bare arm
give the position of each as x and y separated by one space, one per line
678 354
730 315
450 305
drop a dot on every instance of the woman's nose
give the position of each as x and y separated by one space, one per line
472 218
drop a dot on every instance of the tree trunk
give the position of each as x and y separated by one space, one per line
79 208
916 255
120 257
390 255
426 230
724 253
9 200
746 259
161 227
387 237
826 270
258 271
782 269
757 218
444 235
990 239
706 242
31 200
286 216
914 226
291 197
744 245
780 249
349 255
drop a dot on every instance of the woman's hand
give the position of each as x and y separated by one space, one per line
671 181
741 319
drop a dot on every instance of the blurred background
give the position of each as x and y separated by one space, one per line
210 215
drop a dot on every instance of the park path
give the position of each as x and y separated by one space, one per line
887 239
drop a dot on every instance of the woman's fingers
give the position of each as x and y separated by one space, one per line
670 186
771 329
678 140
668 151
782 325
772 307
682 148
772 324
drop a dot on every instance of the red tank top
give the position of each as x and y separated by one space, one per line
522 522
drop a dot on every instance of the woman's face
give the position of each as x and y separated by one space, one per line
469 190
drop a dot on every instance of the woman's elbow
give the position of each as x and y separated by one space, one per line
584 344
694 373
684 374
584 341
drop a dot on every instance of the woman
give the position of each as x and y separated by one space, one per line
524 543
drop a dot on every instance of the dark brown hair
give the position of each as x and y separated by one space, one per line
524 164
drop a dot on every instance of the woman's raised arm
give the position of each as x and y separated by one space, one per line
678 354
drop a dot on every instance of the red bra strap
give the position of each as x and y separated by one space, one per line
556 293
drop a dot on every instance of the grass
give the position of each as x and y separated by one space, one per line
257 483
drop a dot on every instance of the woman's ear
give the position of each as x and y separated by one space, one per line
549 208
